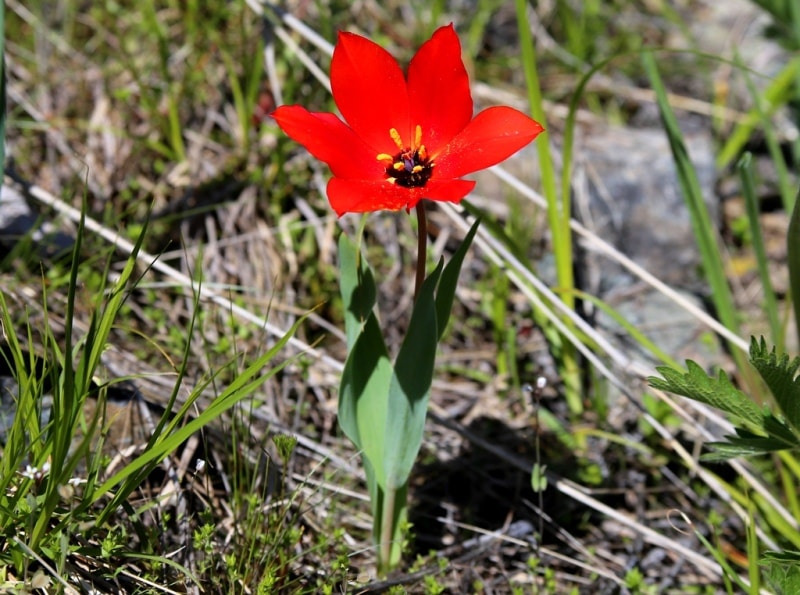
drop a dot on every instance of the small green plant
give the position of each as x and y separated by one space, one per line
53 481
635 581
758 431
432 586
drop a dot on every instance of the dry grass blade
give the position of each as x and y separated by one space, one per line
125 246
499 254
602 247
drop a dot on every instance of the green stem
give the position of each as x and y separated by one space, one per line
387 530
422 247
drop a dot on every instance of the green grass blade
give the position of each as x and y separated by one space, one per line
793 261
558 206
777 94
771 137
789 472
704 229
245 383
745 168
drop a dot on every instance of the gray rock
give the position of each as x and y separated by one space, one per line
17 220
632 200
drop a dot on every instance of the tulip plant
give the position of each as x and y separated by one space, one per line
402 138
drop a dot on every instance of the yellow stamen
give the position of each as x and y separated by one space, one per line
391 180
416 169
418 136
399 165
396 138
422 152
384 157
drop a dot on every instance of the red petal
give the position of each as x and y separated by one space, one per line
448 190
370 91
438 89
494 135
365 196
330 140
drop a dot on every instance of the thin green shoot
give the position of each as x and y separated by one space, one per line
704 230
785 184
778 93
558 207
793 262
747 177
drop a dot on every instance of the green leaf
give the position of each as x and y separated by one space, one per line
745 443
717 392
539 478
780 375
742 447
793 261
357 286
364 387
724 451
363 395
449 281
777 428
410 386
783 571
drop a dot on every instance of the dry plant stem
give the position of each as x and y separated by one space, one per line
422 247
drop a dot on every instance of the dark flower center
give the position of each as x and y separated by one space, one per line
411 167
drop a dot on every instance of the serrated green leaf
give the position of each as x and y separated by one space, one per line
411 386
780 375
780 430
783 571
759 444
744 436
449 280
782 556
746 443
724 451
717 392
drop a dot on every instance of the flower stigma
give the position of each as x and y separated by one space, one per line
411 167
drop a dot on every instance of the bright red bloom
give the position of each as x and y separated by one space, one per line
404 138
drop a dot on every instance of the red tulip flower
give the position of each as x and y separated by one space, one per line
403 138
